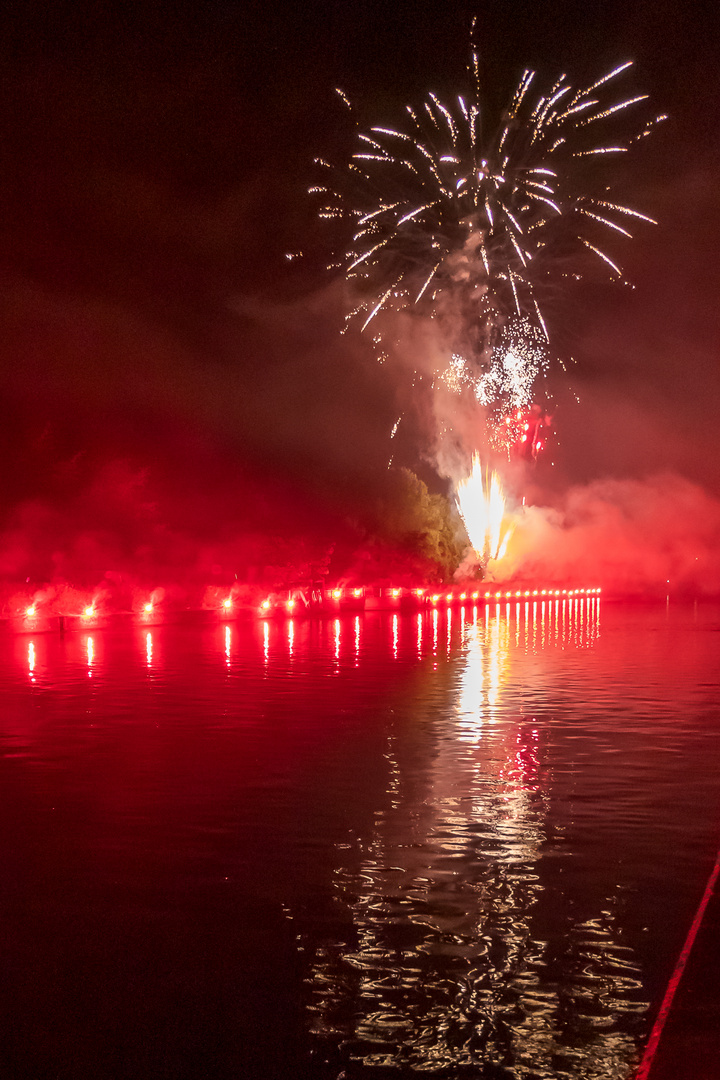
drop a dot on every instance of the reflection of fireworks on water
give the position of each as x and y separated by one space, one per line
481 503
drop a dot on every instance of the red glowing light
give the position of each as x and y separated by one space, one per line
357 592
475 595
435 598
30 611
148 608
463 595
449 596
396 592
337 593
265 604
89 612
290 604
228 603
419 592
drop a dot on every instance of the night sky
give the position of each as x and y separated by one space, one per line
157 345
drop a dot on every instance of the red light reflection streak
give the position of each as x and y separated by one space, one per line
486 658
266 641
564 631
90 655
148 649
395 636
291 637
228 642
435 631
419 635
357 640
337 641
449 629
31 661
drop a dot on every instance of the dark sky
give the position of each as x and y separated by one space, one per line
155 159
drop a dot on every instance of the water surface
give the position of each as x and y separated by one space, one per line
461 843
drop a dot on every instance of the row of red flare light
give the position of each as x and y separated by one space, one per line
307 599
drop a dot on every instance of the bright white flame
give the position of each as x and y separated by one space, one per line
481 503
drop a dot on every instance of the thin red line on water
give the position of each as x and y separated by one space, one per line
652 1044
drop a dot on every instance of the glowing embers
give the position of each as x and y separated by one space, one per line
481 503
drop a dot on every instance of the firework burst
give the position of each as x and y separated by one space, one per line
469 228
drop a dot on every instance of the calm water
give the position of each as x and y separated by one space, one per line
465 844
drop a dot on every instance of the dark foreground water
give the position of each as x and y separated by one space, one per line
465 844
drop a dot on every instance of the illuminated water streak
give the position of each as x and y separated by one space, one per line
443 967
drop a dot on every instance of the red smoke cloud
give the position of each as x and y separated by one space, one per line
631 537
